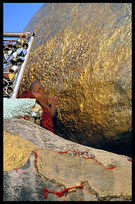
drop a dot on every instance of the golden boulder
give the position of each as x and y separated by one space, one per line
82 53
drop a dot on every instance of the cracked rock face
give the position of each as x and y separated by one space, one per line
82 53
72 170
35 159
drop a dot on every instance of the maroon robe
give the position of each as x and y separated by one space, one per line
46 120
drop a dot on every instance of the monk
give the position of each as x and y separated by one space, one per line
37 91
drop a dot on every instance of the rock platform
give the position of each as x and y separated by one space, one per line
42 166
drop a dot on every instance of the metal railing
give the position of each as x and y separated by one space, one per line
15 57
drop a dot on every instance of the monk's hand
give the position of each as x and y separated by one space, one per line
53 100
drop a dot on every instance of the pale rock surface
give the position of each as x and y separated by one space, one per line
57 171
13 107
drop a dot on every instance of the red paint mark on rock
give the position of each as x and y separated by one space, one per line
35 156
74 150
111 167
91 158
63 152
25 117
129 159
86 157
79 153
35 160
61 193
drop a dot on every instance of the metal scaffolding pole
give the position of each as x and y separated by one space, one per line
17 83
16 34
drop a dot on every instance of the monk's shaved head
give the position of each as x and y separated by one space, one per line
34 84
36 87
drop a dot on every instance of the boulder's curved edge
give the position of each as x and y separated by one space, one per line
46 139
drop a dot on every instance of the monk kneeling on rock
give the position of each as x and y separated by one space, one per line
37 91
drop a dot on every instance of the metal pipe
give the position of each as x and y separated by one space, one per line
15 34
12 34
20 75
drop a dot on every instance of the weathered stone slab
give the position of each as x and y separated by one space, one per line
36 160
71 171
25 184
